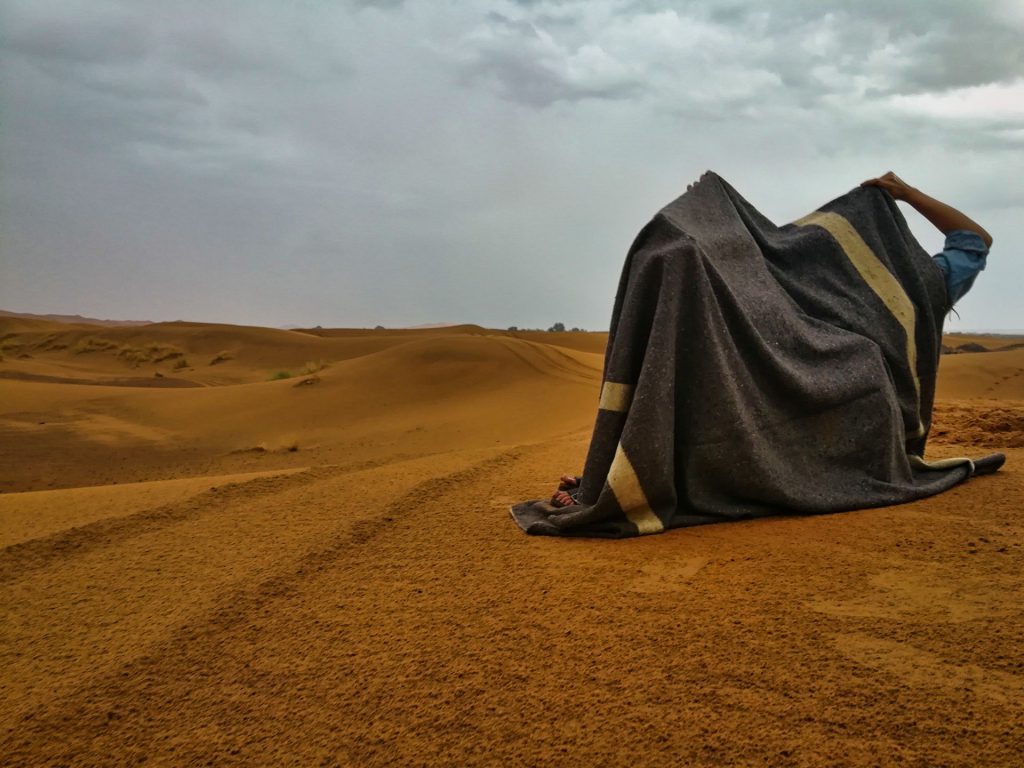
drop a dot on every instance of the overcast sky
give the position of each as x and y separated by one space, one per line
355 163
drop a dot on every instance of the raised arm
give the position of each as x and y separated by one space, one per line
945 217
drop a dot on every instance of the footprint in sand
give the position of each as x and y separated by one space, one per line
921 592
921 669
667 577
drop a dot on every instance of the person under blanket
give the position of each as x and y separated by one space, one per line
963 257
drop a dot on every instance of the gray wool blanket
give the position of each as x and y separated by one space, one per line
754 370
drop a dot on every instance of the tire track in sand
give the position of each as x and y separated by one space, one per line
22 558
415 625
55 727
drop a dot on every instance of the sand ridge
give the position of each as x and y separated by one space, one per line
320 570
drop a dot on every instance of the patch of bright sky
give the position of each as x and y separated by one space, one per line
988 102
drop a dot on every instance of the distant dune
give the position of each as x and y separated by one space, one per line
74 319
92 405
165 400
235 545
432 325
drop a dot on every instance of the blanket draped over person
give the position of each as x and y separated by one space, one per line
755 370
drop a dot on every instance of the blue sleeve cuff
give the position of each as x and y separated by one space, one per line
962 258
965 240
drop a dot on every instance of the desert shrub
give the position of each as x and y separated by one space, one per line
93 344
972 346
313 367
160 352
221 357
149 353
281 375
180 363
134 355
52 342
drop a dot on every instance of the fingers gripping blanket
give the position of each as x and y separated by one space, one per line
754 370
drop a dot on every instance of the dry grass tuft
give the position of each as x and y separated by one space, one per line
150 353
9 343
312 367
93 344
161 352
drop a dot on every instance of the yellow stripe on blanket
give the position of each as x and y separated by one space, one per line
881 281
625 485
615 397
939 464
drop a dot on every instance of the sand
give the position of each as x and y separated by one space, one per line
215 566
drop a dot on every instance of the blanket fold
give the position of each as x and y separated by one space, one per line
753 369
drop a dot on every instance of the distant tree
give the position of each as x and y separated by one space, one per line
557 327
378 327
513 327
576 330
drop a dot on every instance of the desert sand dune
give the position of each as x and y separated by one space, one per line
72 319
19 324
32 516
990 341
218 354
419 393
578 340
996 374
583 342
211 354
320 570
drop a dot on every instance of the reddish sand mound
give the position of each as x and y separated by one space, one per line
981 342
992 424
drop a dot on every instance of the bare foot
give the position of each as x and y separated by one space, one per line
567 489
562 499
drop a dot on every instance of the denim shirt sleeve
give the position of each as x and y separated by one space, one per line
962 258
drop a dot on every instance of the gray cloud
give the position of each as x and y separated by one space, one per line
529 65
811 49
386 4
400 163
107 39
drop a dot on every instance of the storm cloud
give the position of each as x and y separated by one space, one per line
413 162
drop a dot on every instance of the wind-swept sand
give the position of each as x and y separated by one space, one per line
210 567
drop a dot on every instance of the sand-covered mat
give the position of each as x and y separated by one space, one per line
363 599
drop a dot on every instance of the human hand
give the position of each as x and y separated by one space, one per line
945 217
892 184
